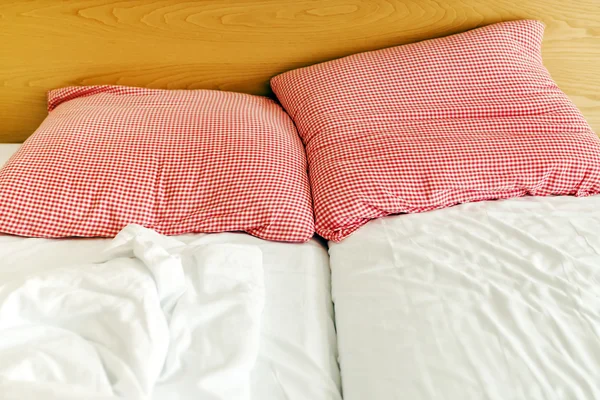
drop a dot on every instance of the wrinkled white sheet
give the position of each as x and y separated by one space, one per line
491 300
147 309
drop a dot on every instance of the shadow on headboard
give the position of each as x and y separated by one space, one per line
239 44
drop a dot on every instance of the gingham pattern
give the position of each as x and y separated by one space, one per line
469 117
173 161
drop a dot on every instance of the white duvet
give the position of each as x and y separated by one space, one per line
148 310
491 300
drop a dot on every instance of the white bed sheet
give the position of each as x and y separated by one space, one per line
297 358
491 300
298 350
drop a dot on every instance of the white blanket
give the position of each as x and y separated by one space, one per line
491 300
117 327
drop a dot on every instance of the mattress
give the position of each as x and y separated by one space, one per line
491 300
298 351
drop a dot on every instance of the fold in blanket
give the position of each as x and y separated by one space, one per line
151 312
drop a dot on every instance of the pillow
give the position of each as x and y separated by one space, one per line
469 117
174 161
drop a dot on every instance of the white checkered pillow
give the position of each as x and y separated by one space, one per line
174 161
469 117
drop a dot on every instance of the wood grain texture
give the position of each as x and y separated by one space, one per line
239 44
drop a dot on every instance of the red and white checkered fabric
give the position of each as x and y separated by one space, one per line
174 161
469 117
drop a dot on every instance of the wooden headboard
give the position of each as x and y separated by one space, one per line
239 44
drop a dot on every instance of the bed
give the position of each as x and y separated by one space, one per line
298 350
495 300
486 286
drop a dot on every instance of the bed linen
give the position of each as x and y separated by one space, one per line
492 300
116 326
298 354
176 161
423 126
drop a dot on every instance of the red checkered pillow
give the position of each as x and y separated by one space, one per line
469 117
173 161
